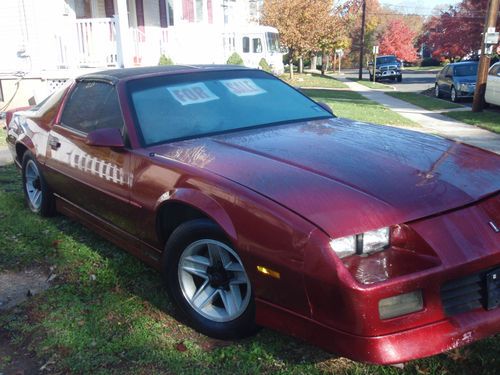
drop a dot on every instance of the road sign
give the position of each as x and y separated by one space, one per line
491 38
375 50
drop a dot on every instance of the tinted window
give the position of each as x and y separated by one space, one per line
465 70
494 70
246 44
91 106
386 60
196 104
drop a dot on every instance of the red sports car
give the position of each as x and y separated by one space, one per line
261 207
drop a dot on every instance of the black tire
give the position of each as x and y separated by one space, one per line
400 78
46 206
437 91
453 95
183 236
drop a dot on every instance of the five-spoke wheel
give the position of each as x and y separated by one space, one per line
38 195
207 279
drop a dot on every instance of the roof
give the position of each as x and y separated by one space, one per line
115 75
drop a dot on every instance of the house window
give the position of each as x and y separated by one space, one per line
246 44
199 10
257 45
170 12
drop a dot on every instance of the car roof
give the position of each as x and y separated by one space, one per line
115 75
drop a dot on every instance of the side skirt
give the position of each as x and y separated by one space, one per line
148 254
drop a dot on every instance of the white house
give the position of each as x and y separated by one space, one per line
42 43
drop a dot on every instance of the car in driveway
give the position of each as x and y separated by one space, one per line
456 81
492 92
261 208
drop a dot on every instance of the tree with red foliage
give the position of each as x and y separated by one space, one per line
457 31
398 40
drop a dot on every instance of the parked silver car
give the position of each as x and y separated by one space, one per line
457 80
492 94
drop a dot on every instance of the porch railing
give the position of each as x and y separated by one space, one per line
96 42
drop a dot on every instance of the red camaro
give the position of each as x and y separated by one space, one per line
260 207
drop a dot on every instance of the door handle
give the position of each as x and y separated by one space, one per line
54 143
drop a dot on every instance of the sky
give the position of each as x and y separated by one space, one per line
423 7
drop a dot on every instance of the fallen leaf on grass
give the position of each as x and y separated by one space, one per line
181 347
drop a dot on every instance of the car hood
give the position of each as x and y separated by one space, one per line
344 176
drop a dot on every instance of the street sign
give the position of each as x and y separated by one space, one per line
491 38
375 50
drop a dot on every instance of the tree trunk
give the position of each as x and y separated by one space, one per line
323 62
334 61
290 63
301 65
314 61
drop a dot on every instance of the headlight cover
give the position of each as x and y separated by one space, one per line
361 244
467 86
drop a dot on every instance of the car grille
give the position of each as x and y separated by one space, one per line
467 293
389 67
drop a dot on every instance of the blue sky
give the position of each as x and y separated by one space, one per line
420 6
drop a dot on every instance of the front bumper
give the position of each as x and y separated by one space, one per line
387 73
424 341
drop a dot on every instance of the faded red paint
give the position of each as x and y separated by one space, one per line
281 194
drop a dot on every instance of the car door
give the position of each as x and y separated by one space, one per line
447 79
91 177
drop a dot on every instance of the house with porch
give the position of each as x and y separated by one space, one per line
43 43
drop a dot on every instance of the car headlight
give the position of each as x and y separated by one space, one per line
361 244
467 86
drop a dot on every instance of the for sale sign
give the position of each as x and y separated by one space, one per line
192 93
242 87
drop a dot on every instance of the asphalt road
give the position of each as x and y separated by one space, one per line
413 81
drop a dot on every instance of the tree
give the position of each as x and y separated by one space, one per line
456 32
301 23
398 39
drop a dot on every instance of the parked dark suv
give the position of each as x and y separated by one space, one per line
388 67
457 80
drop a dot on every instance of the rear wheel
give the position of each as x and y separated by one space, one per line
208 282
38 196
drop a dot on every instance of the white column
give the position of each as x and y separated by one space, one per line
123 47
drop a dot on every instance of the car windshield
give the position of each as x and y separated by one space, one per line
386 60
182 106
465 70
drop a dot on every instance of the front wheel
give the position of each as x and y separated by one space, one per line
208 282
38 196
453 95
437 92
400 78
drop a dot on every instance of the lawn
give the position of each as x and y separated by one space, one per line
352 105
313 80
424 101
371 84
489 120
108 314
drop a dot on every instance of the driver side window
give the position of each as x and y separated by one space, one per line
91 106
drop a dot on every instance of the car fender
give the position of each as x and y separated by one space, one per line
202 202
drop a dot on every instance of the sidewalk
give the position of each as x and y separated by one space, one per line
430 121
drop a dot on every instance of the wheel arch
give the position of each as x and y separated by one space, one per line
185 204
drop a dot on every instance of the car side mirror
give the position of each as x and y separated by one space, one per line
107 137
326 107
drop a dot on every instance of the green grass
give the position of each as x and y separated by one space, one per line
108 314
424 101
488 120
371 84
313 80
352 105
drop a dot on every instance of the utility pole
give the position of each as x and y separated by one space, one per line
484 62
362 42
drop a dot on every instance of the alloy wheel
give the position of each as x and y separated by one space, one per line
33 184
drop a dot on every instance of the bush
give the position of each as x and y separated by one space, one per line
264 65
429 61
235 59
165 60
445 62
